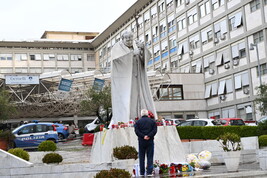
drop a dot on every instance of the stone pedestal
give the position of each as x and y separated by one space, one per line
168 146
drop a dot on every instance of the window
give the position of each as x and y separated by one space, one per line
254 5
241 80
76 57
194 42
27 130
263 69
217 3
235 21
36 57
192 16
6 56
204 9
49 57
239 51
62 57
170 92
179 2
207 36
90 57
153 12
225 86
161 6
258 37
181 24
265 2
21 57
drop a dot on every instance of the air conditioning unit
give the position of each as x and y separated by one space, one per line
223 37
222 97
216 40
191 52
246 90
211 71
180 57
187 2
227 66
235 62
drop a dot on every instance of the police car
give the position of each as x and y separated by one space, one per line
32 134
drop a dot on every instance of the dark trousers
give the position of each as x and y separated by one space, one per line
146 148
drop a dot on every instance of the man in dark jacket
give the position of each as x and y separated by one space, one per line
146 129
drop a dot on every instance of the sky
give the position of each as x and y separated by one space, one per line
29 19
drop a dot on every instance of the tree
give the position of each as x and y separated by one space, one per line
261 100
7 109
98 103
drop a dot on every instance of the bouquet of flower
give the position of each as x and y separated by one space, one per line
164 168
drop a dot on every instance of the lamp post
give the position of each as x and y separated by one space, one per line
258 59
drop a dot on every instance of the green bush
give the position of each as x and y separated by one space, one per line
190 132
52 158
263 140
19 152
47 145
230 141
248 131
262 128
212 132
125 152
113 173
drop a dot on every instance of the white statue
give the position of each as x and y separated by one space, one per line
129 83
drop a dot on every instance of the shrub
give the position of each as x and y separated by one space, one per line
190 132
212 132
52 158
248 131
19 152
125 152
8 136
112 173
47 145
230 142
263 140
262 128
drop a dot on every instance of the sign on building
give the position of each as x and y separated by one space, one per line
98 84
21 79
64 88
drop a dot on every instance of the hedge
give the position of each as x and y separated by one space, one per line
212 132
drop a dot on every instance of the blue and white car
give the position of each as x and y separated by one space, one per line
32 134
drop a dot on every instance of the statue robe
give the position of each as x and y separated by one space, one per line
129 84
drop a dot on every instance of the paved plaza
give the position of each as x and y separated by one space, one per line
81 154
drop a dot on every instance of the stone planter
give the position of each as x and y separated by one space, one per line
262 155
126 164
231 160
37 157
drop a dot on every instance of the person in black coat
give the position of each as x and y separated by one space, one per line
145 129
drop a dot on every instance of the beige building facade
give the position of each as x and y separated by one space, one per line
207 37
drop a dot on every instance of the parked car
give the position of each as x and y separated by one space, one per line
62 130
232 121
32 134
199 122
263 119
175 121
91 126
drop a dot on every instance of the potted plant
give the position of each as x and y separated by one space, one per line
231 144
6 139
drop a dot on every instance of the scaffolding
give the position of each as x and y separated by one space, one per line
43 99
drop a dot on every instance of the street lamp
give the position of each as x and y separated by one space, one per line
258 59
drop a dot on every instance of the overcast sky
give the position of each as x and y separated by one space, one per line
28 19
